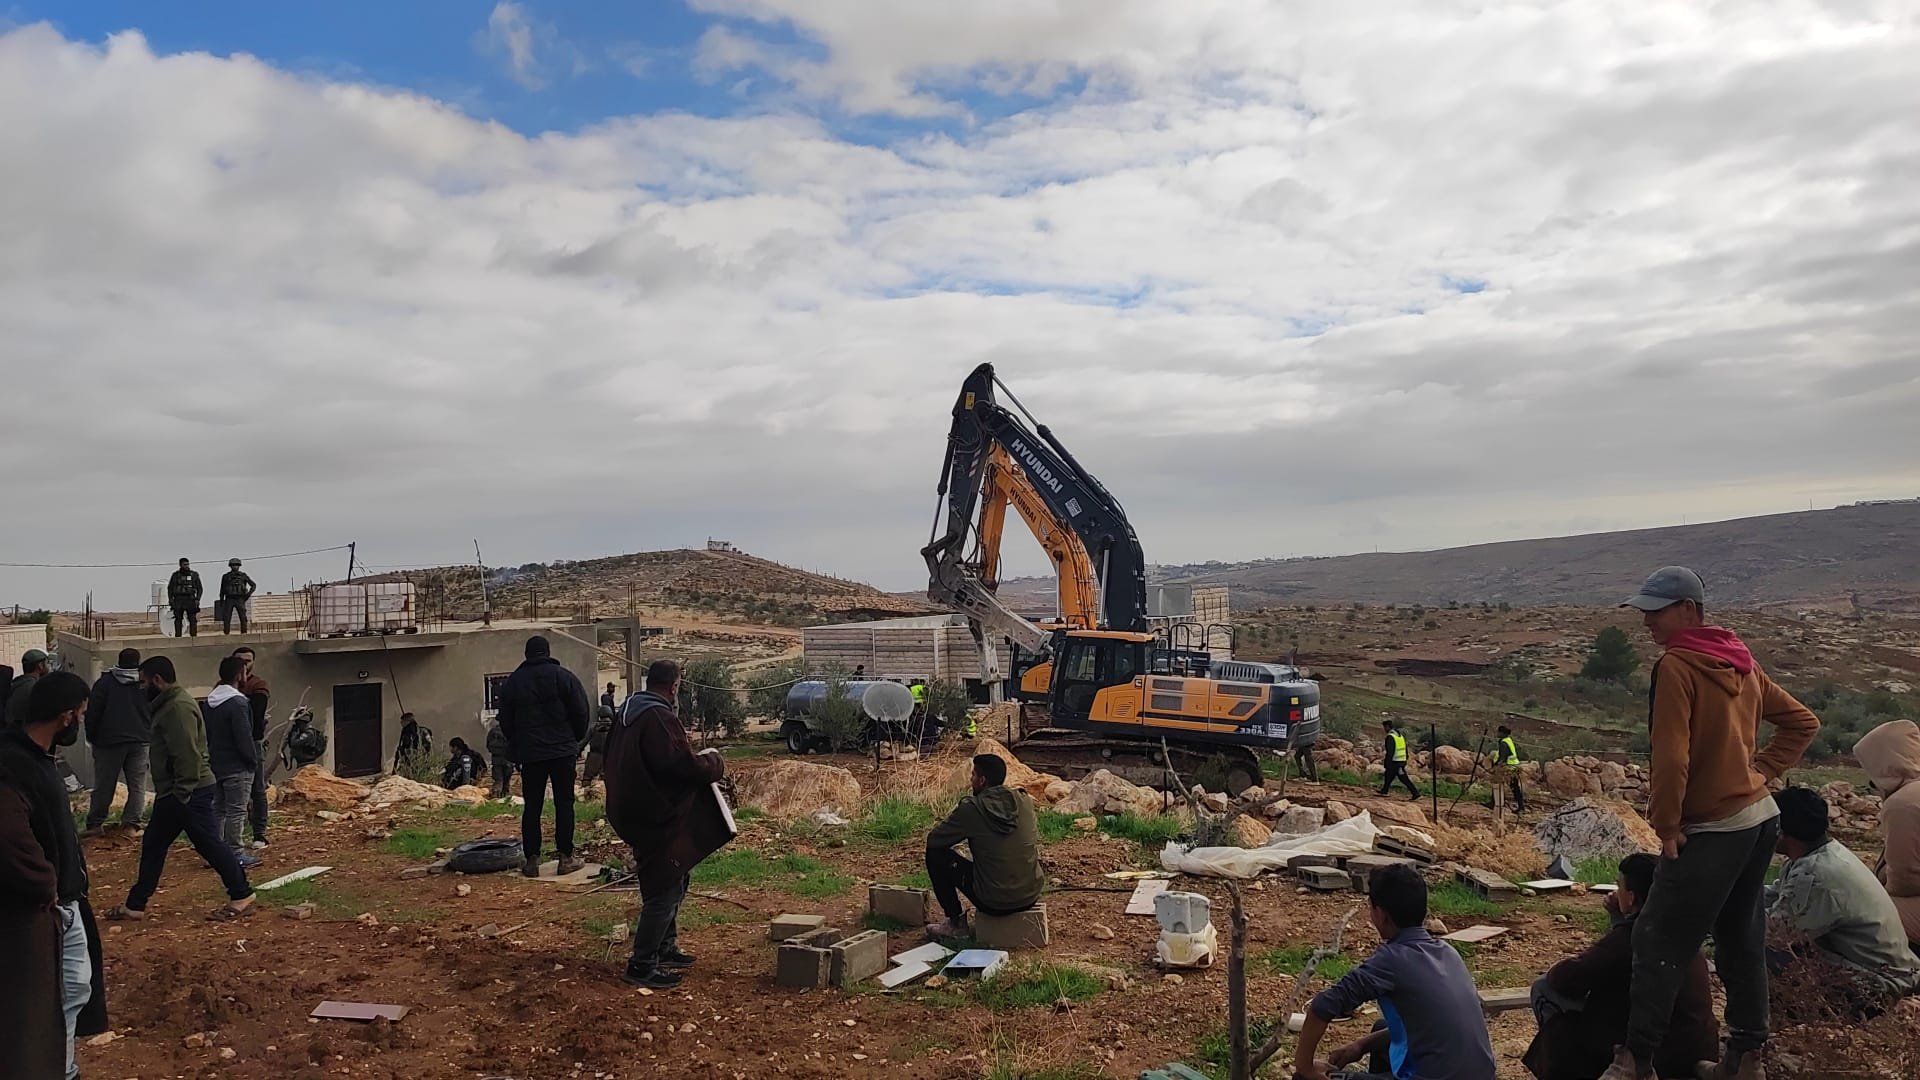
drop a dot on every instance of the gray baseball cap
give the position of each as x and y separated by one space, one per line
1668 586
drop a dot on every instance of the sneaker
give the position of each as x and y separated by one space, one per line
569 864
247 861
531 868
674 958
948 928
653 978
260 843
1624 1067
93 832
1747 1067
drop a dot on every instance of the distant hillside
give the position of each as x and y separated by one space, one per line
719 582
1824 557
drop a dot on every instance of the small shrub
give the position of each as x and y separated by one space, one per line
894 819
1458 898
1292 959
1041 984
1148 831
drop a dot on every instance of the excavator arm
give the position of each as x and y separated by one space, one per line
994 461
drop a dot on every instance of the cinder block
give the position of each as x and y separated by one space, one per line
1324 878
818 938
803 966
1489 884
1021 930
898 903
861 956
1299 861
1361 867
786 927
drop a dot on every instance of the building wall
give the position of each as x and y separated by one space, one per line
440 677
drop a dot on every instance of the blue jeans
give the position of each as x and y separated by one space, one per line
76 974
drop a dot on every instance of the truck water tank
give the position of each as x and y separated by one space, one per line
887 702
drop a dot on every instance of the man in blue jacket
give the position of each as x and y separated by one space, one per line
543 711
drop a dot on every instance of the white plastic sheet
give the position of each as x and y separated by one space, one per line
1353 836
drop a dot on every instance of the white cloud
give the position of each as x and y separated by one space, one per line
1227 267
534 51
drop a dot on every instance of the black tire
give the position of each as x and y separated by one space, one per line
799 739
1240 777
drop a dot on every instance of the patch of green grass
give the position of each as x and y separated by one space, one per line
1467 950
800 875
1596 922
329 902
1038 984
1502 977
1344 776
485 811
748 813
718 915
598 926
1213 1050
1601 870
1148 831
883 923
1056 826
417 843
923 1044
1458 898
1291 959
1010 1062
894 819
915 879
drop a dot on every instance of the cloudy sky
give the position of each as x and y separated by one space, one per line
1291 278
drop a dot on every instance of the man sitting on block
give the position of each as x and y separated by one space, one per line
1432 1027
998 825
1582 1002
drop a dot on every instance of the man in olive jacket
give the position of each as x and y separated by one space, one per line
999 826
653 777
185 798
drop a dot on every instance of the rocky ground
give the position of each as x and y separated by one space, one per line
193 998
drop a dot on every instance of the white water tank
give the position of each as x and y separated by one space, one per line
338 611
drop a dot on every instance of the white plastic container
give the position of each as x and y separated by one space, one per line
390 607
339 610
1183 912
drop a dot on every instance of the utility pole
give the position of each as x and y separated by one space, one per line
351 546
486 600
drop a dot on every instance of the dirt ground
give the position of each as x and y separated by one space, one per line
194 998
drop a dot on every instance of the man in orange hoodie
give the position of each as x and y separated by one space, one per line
1716 820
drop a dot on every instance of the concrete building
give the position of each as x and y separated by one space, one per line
357 687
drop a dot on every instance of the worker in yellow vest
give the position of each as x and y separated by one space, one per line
1506 760
1396 762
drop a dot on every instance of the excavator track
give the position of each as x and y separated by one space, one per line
1071 755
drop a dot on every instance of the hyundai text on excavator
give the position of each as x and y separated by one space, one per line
1104 686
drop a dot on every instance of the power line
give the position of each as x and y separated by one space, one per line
150 565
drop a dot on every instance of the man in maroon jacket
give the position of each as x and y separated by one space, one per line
653 777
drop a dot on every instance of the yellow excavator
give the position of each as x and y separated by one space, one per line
1102 686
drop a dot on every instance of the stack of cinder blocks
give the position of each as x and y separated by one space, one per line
813 955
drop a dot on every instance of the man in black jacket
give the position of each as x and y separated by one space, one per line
183 596
33 664
57 710
258 694
119 726
543 711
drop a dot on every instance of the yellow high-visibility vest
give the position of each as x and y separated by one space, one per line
1397 743
919 693
1509 754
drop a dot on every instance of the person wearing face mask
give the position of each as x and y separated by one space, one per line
1581 1002
186 800
57 989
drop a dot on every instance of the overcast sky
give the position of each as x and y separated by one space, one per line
1300 278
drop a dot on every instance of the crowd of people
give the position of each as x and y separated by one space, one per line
1636 1003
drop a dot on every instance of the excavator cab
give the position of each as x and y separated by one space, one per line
1087 662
